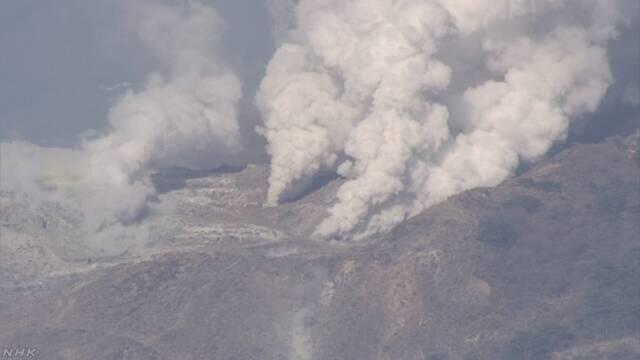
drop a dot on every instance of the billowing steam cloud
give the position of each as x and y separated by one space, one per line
378 91
410 101
185 115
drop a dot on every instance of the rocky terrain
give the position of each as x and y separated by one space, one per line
544 266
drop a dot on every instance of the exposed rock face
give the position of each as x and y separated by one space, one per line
544 266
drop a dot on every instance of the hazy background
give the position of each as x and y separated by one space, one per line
63 63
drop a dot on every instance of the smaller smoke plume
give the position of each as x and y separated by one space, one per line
185 115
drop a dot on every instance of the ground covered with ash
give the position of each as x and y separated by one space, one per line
544 266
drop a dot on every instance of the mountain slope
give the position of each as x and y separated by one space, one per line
544 266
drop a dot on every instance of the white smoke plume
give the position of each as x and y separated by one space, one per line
376 91
184 115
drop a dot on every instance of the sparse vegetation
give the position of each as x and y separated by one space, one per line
438 356
612 202
542 185
540 344
529 203
638 150
613 199
497 232
612 305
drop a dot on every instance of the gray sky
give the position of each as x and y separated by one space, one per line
59 60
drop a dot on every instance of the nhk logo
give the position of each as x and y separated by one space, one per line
19 353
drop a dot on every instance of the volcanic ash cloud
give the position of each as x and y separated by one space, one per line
365 88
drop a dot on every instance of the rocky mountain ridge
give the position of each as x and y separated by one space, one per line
543 266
